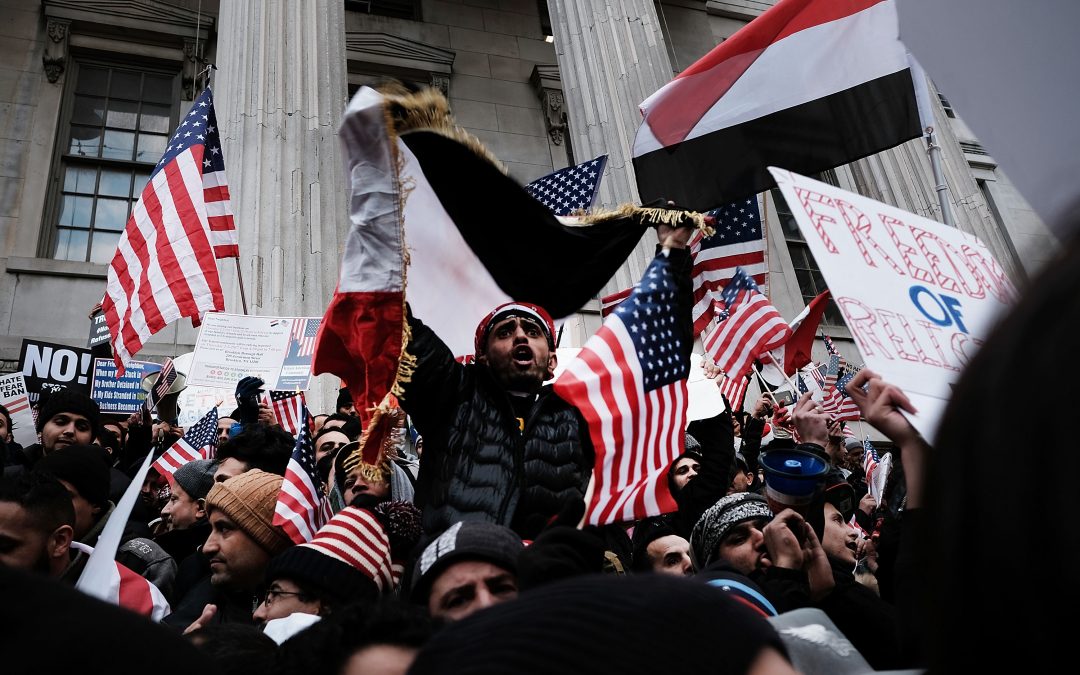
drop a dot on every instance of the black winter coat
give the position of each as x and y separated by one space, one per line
477 465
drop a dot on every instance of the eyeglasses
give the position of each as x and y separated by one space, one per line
273 594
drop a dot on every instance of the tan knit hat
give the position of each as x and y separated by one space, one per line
249 500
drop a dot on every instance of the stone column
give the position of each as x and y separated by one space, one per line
612 56
280 90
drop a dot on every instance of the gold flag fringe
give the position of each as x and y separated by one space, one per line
651 216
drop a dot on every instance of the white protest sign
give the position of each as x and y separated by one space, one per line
232 346
13 396
195 401
703 395
918 296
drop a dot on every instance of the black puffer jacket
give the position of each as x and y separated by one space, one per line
477 465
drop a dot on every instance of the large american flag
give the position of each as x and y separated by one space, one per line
297 511
739 242
629 382
165 263
749 326
290 408
734 390
165 379
198 442
304 332
569 189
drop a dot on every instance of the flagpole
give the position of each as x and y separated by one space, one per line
933 151
240 278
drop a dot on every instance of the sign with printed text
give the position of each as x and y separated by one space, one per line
99 330
918 296
14 397
232 346
47 366
123 394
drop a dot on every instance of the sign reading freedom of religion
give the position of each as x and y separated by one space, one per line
232 346
918 296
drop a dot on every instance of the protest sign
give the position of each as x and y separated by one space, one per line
918 296
99 330
120 394
13 396
47 366
233 346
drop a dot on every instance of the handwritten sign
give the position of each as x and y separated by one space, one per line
232 346
918 296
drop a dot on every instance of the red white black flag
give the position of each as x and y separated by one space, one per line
807 86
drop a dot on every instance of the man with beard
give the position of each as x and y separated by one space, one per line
37 522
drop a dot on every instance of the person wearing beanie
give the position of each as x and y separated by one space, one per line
634 625
350 559
84 471
243 539
658 548
467 568
187 498
64 417
345 405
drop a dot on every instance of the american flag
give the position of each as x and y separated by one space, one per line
847 409
629 382
569 189
877 469
734 390
164 382
18 404
165 263
198 442
290 408
297 511
739 242
608 303
304 332
749 325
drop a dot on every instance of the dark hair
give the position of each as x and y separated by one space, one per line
973 504
6 414
315 417
107 439
42 496
236 648
329 644
260 446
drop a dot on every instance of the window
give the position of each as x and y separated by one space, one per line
400 9
807 273
949 112
116 130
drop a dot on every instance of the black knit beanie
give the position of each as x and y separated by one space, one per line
69 401
605 624
84 466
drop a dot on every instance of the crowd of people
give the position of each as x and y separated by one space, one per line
457 545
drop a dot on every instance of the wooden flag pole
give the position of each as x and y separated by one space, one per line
240 279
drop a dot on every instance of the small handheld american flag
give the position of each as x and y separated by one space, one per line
297 511
290 409
199 442
165 380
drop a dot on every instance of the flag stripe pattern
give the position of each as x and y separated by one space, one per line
739 242
164 267
734 390
165 379
126 588
749 325
356 538
198 442
290 408
807 86
297 511
630 383
608 303
304 332
570 189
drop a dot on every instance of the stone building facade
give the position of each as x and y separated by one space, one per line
89 90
